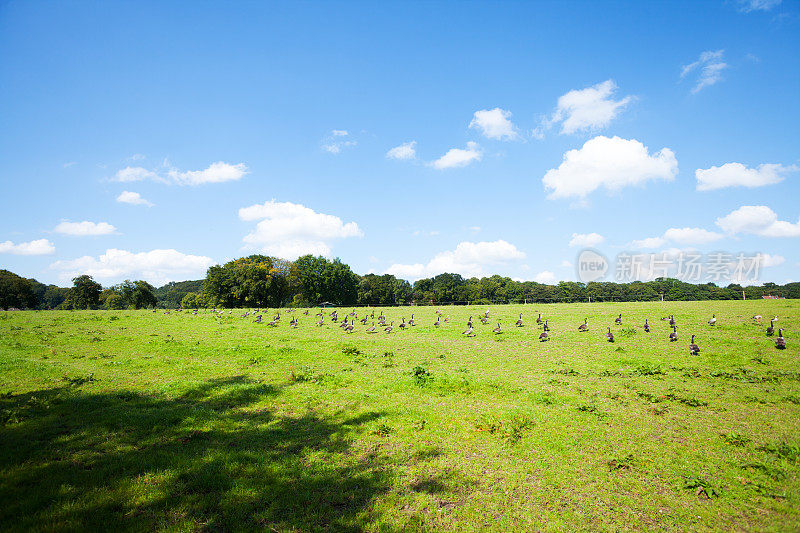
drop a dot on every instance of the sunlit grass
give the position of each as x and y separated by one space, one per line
180 422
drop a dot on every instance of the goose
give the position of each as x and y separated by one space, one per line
484 320
757 318
497 330
411 320
780 342
403 323
321 322
389 328
365 319
546 327
274 323
713 320
539 319
294 323
519 322
486 314
349 328
771 328
674 335
305 313
693 348
343 323
353 312
584 326
646 326
372 315
671 321
609 336
775 318
468 331
258 319
437 322
446 318
371 329
469 322
543 336
618 320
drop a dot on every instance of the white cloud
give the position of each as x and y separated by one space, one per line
738 175
586 109
290 230
337 140
404 151
216 173
37 247
757 5
456 157
682 236
494 124
768 260
468 259
133 198
757 220
612 163
136 174
85 228
586 239
155 266
546 277
709 66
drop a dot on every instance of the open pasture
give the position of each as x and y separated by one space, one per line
182 422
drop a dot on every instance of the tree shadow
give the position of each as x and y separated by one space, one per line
208 460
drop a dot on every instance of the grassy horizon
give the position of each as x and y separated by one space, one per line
180 422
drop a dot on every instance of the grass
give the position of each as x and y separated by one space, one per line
178 422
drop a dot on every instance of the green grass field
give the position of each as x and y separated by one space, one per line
132 420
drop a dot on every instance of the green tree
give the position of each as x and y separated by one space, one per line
16 291
85 292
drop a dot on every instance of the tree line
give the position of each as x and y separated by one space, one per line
264 281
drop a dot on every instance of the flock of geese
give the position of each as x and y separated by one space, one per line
348 324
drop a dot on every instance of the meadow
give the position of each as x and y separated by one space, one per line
142 421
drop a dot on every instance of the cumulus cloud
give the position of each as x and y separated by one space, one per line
586 239
494 124
757 5
682 236
290 230
612 163
337 140
404 151
85 228
757 220
133 198
456 157
468 259
37 247
591 108
709 67
738 175
546 277
216 173
155 266
767 260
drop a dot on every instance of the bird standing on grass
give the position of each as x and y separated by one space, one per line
497 330
646 326
468 331
609 336
543 336
390 327
713 320
693 348
674 335
519 322
585 326
780 342
618 320
771 329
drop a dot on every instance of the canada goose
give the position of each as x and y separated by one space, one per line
321 321
646 326
258 319
618 320
780 342
305 313
389 328
584 326
468 331
693 348
293 323
609 336
353 312
671 321
349 328
486 314
365 319
539 319
497 329
371 329
757 318
437 322
546 327
674 335
411 320
519 322
274 323
771 328
543 336
469 322
372 314
403 323
446 318
713 320
277 316
484 320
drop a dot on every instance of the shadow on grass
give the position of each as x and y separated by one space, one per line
73 460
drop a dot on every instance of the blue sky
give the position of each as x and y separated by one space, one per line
148 140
